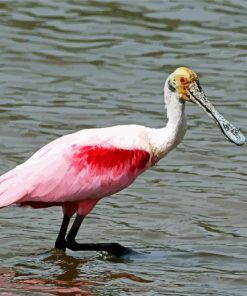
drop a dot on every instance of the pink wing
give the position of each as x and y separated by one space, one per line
72 174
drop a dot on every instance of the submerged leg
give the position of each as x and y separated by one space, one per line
112 248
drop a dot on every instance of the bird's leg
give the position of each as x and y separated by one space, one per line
112 248
70 239
60 241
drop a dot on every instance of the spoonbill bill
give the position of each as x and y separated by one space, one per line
77 170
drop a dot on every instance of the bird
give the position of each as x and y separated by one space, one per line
77 170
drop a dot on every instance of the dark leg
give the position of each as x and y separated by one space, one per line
112 248
60 241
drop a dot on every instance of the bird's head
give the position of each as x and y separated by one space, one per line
184 84
180 81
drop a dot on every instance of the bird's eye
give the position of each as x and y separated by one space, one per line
183 80
170 86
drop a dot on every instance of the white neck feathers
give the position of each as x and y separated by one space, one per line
166 138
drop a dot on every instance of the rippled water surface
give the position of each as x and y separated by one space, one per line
70 65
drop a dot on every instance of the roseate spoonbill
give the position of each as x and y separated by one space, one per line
77 170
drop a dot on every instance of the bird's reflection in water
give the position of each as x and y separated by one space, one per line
56 273
63 275
69 266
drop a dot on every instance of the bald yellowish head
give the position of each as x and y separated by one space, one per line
181 80
183 83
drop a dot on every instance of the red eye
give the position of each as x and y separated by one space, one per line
182 80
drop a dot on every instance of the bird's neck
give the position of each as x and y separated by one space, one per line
167 138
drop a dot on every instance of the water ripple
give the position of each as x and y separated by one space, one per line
70 65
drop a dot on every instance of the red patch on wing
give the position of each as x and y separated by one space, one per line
107 158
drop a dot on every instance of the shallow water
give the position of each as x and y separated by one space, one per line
69 65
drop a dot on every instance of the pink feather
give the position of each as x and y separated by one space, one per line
68 173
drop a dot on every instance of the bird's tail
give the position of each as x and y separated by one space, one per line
10 189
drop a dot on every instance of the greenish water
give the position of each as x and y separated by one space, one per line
69 65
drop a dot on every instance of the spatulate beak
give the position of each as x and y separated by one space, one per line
197 96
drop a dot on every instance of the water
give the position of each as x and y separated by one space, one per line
69 65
